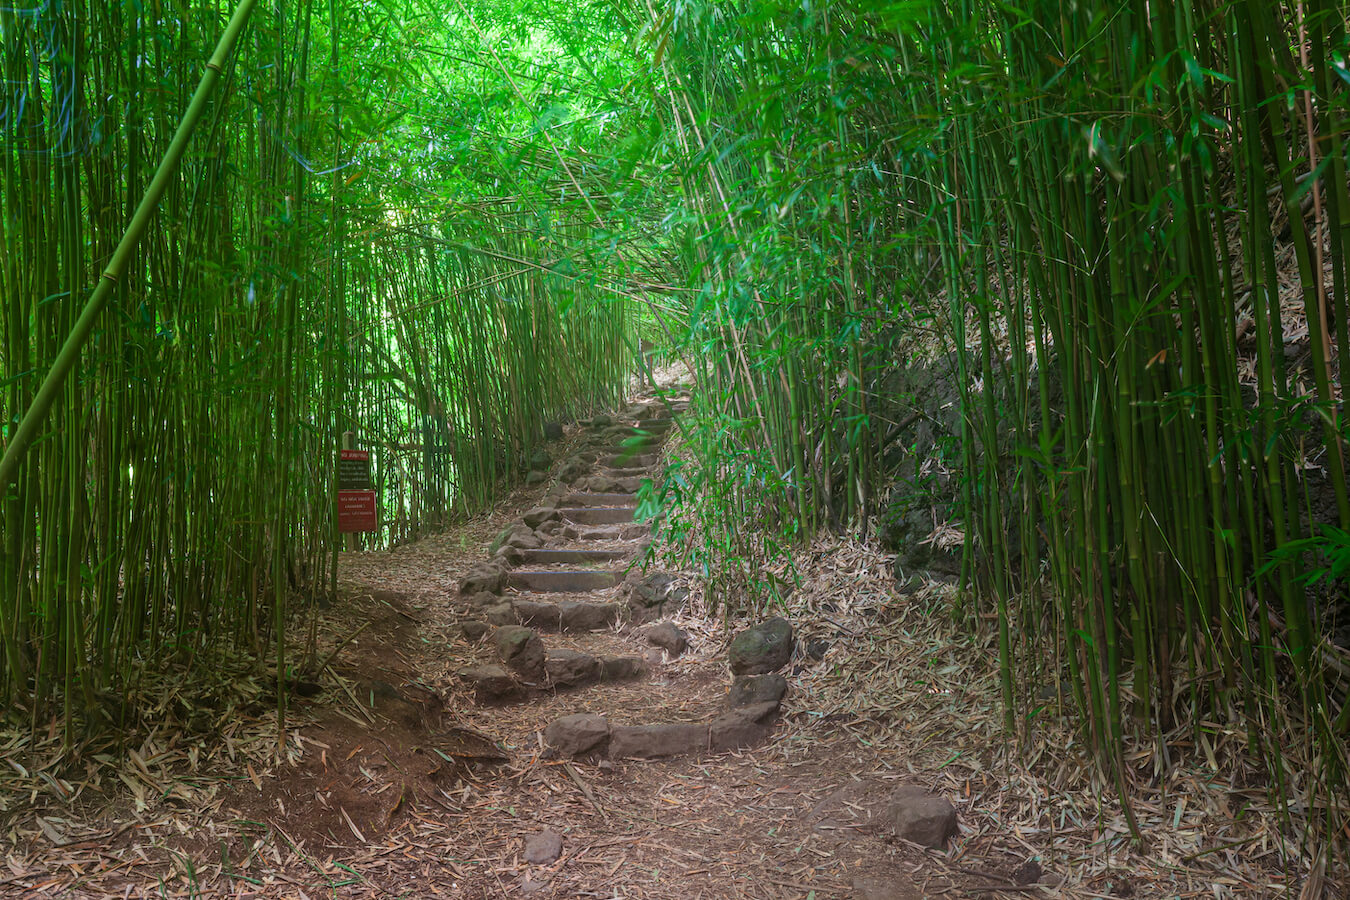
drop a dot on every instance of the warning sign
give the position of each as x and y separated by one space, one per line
353 470
356 511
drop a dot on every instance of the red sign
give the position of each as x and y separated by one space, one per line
356 511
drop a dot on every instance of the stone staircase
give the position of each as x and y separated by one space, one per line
571 566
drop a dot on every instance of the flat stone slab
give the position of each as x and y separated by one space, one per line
592 498
655 741
655 425
567 616
598 515
546 555
565 581
578 734
628 472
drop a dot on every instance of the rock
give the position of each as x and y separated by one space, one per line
549 529
638 530
541 459
587 616
578 734
506 533
473 631
620 668
602 484
668 636
553 431
484 578
543 848
656 590
749 690
817 649
740 728
509 554
532 612
916 815
521 650
500 614
601 421
653 741
539 515
766 647
526 540
483 600
573 470
490 683
568 668
535 477
1028 872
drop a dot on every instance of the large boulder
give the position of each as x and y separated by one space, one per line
521 650
765 647
916 815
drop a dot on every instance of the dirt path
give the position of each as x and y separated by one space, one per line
424 763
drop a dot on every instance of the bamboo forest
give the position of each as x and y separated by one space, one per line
884 449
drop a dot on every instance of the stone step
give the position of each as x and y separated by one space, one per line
627 473
546 555
598 515
629 532
591 498
566 616
655 425
567 581
624 461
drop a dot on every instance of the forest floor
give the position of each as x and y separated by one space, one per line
394 781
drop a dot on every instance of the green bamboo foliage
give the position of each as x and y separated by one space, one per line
295 278
1130 222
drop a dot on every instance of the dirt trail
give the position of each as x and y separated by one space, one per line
423 763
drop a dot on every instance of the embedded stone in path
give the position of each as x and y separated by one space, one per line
766 647
741 728
751 690
474 631
569 581
539 515
594 497
544 847
597 515
544 555
569 668
631 532
668 636
654 741
918 816
578 735
569 616
516 529
631 461
620 668
490 683
487 578
521 650
573 470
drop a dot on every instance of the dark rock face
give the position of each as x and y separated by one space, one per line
578 735
521 650
916 815
543 848
568 668
766 647
741 728
668 636
490 683
751 690
654 741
